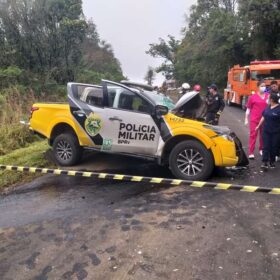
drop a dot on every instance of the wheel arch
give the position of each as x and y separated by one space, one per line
61 128
171 143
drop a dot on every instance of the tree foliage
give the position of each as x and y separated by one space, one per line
150 76
50 40
221 33
261 20
165 49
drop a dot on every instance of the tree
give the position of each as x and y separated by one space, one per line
166 50
212 42
261 23
219 34
210 48
150 76
50 40
44 35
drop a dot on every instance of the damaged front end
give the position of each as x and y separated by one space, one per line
226 133
192 106
242 157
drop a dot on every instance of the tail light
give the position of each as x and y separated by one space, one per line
33 109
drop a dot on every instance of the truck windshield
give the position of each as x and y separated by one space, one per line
273 74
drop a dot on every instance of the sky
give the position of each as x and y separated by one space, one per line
131 25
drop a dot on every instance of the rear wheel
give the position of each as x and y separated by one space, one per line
190 160
67 150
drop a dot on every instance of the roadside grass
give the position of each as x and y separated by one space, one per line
18 146
15 105
32 155
15 136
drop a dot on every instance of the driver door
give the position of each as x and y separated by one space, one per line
129 126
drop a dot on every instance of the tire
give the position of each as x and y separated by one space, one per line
182 166
67 150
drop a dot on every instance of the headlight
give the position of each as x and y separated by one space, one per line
227 137
221 131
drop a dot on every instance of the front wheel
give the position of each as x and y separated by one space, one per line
67 150
190 160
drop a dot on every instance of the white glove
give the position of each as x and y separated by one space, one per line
246 121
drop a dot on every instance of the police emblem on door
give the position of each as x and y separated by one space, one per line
93 124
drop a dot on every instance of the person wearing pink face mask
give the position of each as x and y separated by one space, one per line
255 107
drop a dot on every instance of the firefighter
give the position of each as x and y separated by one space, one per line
215 105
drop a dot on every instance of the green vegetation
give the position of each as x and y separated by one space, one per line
32 155
150 76
219 34
49 42
43 45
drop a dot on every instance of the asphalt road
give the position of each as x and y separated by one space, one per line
73 228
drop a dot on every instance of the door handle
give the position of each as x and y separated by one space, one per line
79 113
115 119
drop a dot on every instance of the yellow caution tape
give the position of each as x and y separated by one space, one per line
119 177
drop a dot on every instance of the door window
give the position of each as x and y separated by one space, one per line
236 76
133 102
125 99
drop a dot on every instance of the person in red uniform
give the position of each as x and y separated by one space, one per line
255 107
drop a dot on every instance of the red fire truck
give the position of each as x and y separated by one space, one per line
242 80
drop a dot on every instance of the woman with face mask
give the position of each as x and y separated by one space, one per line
271 131
255 107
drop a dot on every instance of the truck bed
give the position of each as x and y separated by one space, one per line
45 113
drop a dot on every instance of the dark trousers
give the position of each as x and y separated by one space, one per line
270 146
212 118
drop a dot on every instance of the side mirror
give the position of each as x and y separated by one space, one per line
161 110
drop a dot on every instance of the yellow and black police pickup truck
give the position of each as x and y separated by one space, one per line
123 118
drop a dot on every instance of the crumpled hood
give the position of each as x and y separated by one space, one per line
185 99
191 106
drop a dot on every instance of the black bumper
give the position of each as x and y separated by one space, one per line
242 158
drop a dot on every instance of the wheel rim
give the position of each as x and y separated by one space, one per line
64 150
190 162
